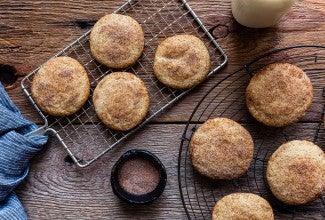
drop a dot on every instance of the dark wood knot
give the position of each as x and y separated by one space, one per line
220 31
8 76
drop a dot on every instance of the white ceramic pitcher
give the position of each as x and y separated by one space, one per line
259 13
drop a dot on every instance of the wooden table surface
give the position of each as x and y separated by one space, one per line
32 31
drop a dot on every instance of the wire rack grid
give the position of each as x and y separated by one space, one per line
82 134
227 99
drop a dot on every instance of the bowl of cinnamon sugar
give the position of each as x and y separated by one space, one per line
138 177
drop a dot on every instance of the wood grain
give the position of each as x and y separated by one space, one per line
57 189
33 31
31 38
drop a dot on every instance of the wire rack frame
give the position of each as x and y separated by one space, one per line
82 134
227 99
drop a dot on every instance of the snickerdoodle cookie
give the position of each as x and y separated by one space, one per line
221 149
116 40
242 206
61 86
296 172
181 61
121 100
279 94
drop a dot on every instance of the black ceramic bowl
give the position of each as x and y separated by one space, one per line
135 198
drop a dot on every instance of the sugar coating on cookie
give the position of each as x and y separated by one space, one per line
116 40
61 86
181 61
121 100
279 94
296 172
221 149
242 206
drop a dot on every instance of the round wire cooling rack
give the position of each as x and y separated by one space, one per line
227 99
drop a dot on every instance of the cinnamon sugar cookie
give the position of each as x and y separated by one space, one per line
242 206
61 86
116 40
279 94
181 61
221 149
296 172
121 100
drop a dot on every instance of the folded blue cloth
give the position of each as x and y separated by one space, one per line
17 147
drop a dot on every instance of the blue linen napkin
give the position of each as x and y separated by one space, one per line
17 147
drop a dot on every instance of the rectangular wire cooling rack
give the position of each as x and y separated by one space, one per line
82 134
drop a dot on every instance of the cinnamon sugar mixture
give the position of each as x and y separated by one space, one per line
138 176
